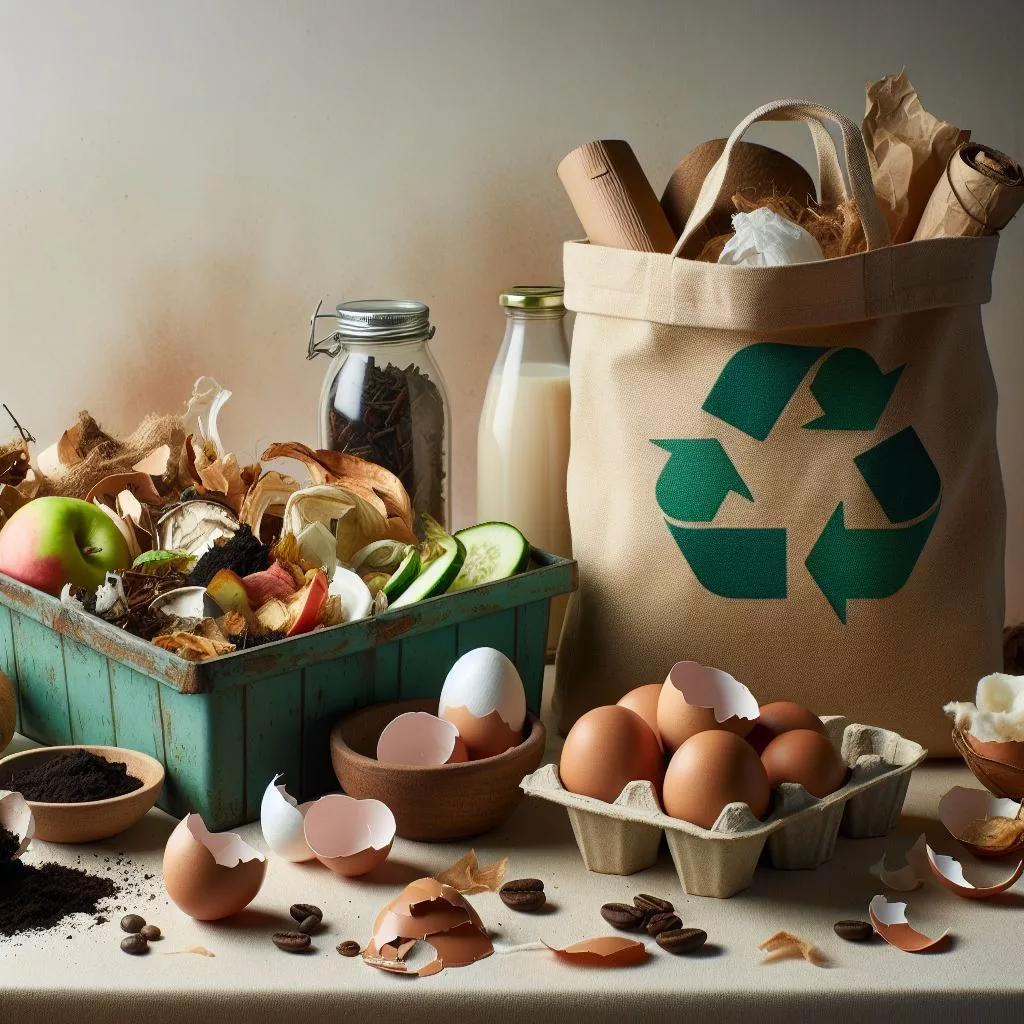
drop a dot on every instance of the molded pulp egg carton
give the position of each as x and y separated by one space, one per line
623 837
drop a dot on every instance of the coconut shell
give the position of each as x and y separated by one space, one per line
755 170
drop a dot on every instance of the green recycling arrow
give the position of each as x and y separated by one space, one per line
901 475
849 564
757 384
852 390
696 479
735 562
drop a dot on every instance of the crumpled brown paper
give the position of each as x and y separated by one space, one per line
908 150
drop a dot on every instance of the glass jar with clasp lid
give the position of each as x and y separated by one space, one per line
384 399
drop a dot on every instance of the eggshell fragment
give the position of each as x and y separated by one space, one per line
908 877
603 951
282 819
16 816
643 701
427 910
695 698
349 836
483 697
950 874
987 825
890 921
419 738
210 875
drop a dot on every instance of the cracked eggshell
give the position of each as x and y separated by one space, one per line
603 951
356 599
695 698
483 697
906 878
349 836
890 921
950 874
961 806
16 817
210 875
282 819
419 738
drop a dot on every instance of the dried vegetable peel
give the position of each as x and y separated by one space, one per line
789 946
910 875
890 921
987 825
468 877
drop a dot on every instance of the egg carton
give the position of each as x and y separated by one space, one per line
624 837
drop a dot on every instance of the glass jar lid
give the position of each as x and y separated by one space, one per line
383 319
531 296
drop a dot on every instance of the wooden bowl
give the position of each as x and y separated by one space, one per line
999 778
94 819
451 801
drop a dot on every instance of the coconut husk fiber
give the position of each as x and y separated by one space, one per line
837 229
102 455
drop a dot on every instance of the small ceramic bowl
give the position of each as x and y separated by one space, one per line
998 777
96 819
451 801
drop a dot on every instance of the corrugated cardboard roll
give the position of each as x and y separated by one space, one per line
613 198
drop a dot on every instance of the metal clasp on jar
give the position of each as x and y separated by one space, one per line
329 346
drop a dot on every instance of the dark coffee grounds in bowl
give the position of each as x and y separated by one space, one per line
74 777
40 897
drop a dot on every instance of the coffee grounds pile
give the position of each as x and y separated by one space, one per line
243 553
75 777
40 897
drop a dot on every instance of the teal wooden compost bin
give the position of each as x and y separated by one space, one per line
223 728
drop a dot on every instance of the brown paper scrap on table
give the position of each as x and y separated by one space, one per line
787 946
908 150
979 194
468 877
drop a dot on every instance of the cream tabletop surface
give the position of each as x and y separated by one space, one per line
76 972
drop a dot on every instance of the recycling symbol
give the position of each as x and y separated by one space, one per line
846 563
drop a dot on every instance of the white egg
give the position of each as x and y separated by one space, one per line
483 697
282 819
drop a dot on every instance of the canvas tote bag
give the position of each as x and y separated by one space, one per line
789 473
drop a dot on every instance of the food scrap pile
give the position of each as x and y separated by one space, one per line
210 555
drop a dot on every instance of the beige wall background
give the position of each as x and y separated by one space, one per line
181 181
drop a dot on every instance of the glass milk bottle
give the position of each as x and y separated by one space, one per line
523 440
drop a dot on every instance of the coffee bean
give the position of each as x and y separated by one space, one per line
132 923
682 940
300 911
291 942
524 894
854 931
524 901
523 885
349 948
658 923
135 944
310 924
624 916
652 904
150 932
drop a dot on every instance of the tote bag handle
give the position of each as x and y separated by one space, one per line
833 189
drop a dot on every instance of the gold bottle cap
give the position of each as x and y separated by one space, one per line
533 297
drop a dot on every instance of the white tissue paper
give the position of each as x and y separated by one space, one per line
764 238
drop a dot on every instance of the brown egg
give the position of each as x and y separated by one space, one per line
710 770
210 875
807 757
678 719
779 717
644 701
483 737
1011 752
607 748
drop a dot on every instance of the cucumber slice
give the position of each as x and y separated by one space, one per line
494 551
408 569
437 575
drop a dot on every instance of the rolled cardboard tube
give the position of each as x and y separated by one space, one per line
979 194
613 198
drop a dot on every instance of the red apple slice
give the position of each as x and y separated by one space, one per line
309 603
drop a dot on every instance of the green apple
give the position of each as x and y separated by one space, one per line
53 541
